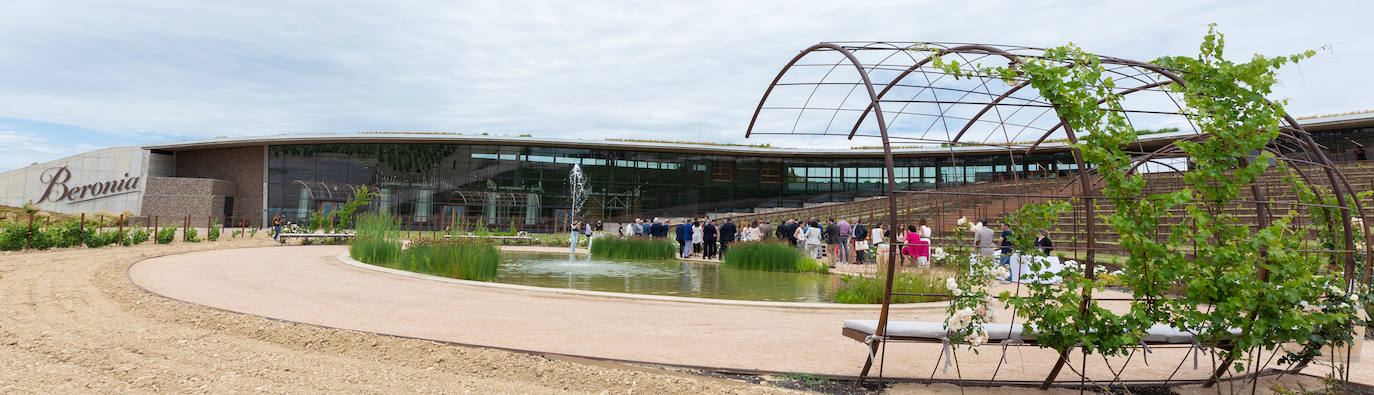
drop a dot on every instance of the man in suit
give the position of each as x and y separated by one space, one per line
765 230
708 237
727 235
658 229
983 239
684 238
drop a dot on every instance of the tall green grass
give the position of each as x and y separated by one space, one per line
376 239
633 248
465 260
869 290
770 256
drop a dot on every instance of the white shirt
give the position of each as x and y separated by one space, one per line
696 235
877 235
925 233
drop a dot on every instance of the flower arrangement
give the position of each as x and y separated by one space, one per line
970 309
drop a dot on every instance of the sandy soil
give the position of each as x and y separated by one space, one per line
70 321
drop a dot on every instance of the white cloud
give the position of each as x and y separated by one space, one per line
18 149
569 69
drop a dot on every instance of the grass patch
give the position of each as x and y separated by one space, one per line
771 256
463 260
375 241
869 290
633 248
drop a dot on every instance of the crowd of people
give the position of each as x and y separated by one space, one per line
828 240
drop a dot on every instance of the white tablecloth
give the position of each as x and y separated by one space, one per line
1021 268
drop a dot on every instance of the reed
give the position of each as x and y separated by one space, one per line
376 239
869 290
771 256
466 260
633 248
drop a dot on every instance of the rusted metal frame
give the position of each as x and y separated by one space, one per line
1090 219
985 109
881 330
855 110
923 62
1124 93
812 95
851 91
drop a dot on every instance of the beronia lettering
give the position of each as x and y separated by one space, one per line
57 178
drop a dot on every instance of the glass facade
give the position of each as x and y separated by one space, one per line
431 185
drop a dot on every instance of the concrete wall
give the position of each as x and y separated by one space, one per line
244 166
174 198
99 166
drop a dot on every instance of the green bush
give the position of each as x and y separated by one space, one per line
13 236
190 235
166 235
869 290
213 233
236 234
102 238
136 236
464 260
633 248
770 256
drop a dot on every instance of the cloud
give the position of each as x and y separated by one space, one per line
130 70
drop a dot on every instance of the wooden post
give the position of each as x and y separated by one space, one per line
82 226
155 218
187 225
120 237
209 225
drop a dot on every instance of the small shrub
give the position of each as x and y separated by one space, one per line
13 236
190 235
464 260
770 256
213 233
869 290
166 235
136 236
236 234
633 248
102 238
253 232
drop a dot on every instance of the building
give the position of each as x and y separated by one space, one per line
436 179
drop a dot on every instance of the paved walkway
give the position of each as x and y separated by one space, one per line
307 284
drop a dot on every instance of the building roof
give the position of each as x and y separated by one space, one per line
1324 122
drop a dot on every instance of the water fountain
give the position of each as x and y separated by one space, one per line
577 184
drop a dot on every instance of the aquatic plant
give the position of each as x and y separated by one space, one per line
770 256
633 248
463 260
376 239
869 290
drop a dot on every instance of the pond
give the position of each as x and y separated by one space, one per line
671 278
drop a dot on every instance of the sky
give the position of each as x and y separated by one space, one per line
80 75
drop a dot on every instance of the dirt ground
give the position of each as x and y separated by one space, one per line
70 321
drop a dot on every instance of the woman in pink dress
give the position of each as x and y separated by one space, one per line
916 246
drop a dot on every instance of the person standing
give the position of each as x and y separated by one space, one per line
833 240
765 230
727 235
812 240
684 239
1044 243
276 226
708 237
917 248
698 238
857 237
845 247
983 240
1006 247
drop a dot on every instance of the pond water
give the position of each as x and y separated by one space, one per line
672 278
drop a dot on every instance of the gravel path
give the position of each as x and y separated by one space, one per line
70 321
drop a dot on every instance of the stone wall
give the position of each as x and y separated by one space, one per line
244 166
174 198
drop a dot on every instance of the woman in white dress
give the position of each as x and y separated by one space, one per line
697 235
752 233
813 240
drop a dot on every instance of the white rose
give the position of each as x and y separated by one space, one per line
962 221
1337 290
1354 298
958 292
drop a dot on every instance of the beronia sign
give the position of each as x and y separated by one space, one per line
58 191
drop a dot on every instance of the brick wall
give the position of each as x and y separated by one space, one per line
243 166
174 198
